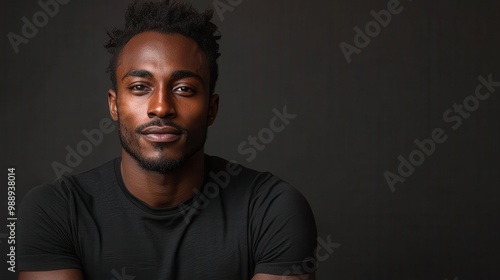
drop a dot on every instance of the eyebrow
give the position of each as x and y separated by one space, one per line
138 73
179 74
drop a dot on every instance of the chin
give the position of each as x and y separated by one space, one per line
160 164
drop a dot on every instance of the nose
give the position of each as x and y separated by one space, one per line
161 104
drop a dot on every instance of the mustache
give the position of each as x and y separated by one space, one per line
160 122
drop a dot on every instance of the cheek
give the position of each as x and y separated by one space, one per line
129 112
193 110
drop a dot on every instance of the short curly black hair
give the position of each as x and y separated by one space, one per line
169 18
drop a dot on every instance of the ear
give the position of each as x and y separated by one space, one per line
213 108
112 104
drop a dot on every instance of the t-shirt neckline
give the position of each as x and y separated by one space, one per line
160 211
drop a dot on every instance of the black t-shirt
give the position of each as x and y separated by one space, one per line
241 222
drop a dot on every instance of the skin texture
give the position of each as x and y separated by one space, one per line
162 82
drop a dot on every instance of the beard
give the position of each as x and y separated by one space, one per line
161 164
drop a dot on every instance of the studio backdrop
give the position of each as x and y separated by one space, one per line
388 120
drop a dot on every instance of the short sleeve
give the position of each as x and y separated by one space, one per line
282 230
44 231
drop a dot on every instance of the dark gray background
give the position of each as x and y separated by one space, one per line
353 120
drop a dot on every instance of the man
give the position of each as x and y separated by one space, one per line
165 210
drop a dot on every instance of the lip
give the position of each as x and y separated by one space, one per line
161 134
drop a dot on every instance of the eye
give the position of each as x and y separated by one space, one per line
184 90
138 88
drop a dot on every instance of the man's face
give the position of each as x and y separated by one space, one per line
162 102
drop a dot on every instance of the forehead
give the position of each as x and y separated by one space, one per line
162 53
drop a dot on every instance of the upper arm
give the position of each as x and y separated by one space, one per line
44 232
261 276
283 231
63 274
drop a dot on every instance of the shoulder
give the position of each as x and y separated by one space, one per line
104 173
47 194
263 188
230 173
62 191
273 198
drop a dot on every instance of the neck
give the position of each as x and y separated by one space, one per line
161 190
